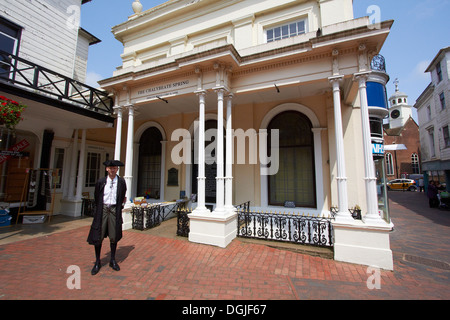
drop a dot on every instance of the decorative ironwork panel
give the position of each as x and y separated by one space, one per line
152 216
183 224
294 228
138 218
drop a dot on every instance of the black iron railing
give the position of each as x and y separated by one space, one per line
151 215
146 217
26 74
310 230
183 226
301 229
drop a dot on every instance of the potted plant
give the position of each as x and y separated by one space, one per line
10 112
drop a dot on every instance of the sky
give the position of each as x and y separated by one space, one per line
420 30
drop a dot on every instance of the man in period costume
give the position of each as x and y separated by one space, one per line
109 196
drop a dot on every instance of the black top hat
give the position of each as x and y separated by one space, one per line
113 163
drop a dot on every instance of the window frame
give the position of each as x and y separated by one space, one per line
415 164
389 164
15 34
88 183
57 151
446 136
432 143
439 71
284 25
442 100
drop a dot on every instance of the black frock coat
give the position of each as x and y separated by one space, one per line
95 232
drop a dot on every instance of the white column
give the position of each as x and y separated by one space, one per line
73 166
229 157
163 171
80 179
129 152
372 215
317 136
343 213
201 179
220 187
117 150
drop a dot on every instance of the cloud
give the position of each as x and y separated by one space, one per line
92 78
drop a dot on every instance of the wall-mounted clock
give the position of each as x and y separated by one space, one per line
395 114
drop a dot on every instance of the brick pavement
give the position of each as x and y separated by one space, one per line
160 268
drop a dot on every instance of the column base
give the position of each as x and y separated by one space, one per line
364 244
212 228
127 217
71 207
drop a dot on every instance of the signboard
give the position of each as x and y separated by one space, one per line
13 151
163 90
378 150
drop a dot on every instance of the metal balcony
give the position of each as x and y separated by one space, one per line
29 80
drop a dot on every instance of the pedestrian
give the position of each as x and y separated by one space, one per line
109 197
421 185
432 195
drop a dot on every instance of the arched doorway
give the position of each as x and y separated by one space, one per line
295 180
149 165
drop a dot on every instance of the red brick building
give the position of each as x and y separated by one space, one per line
403 163
402 129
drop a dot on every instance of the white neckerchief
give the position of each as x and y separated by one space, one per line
110 192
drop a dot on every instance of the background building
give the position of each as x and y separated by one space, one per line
402 130
43 59
434 119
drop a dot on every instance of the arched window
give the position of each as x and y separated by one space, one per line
150 151
295 179
415 163
389 164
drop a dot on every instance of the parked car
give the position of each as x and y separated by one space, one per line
402 184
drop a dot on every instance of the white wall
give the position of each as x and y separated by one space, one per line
49 37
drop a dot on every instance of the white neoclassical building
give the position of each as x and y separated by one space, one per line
282 83
434 119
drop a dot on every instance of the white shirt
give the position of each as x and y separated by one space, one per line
110 192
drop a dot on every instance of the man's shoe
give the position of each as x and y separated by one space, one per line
113 264
96 268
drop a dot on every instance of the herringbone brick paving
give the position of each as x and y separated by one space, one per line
161 268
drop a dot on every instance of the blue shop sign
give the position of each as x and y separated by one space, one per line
377 149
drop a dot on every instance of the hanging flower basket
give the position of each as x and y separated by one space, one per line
10 112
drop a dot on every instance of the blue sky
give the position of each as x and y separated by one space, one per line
420 30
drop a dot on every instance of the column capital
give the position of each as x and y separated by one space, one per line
336 81
118 109
129 107
337 78
361 76
200 92
220 89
